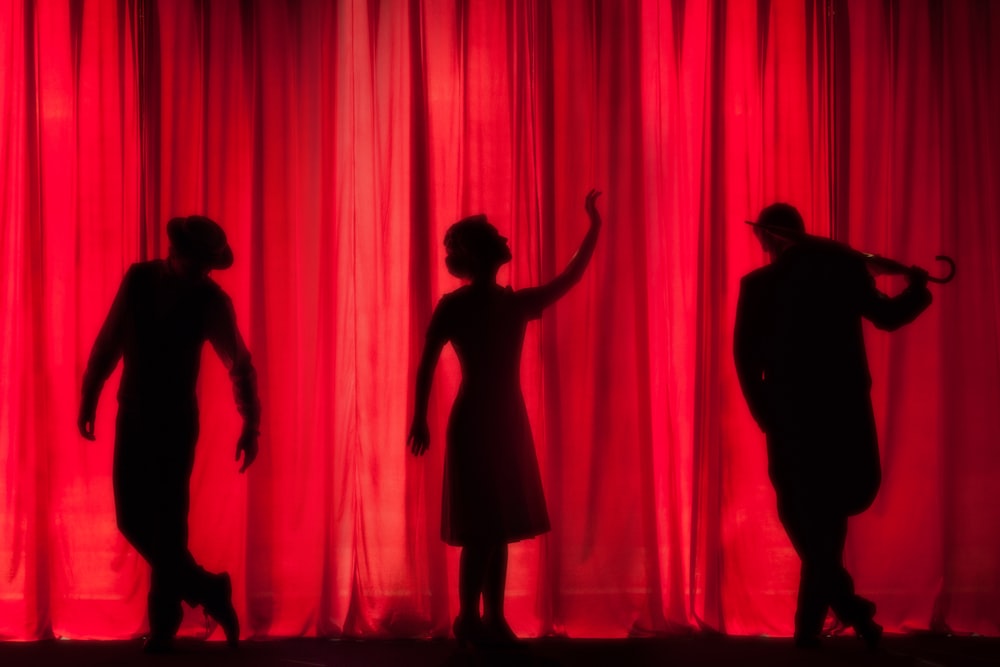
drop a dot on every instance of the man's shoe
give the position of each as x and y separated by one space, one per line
807 642
158 645
870 632
219 605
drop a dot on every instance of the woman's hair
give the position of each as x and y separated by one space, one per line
473 245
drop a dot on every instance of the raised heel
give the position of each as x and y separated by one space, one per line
467 631
219 606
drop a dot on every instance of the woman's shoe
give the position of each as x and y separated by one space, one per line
498 632
468 630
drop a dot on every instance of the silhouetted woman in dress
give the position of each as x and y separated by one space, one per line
492 489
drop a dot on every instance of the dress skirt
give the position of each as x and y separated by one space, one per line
492 487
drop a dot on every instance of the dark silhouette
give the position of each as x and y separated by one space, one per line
161 317
801 361
492 488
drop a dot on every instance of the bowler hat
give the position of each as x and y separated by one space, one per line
782 216
200 239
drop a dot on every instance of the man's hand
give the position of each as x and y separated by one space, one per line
917 277
85 422
247 444
420 437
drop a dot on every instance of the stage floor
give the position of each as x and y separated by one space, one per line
704 651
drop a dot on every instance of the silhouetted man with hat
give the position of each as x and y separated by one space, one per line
163 313
801 362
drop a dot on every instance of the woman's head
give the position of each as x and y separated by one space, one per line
474 248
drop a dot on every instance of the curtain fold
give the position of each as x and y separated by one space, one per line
68 168
337 141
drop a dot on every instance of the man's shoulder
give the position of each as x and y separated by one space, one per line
146 267
834 255
215 293
758 277
143 272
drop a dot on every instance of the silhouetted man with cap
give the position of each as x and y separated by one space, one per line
163 313
801 362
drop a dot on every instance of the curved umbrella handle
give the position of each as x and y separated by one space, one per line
948 276
884 264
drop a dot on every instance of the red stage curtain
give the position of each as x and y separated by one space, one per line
337 141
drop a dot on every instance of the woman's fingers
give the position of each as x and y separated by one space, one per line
592 198
591 205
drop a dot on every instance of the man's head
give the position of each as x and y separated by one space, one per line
779 216
198 245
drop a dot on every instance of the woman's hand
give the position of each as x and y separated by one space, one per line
590 205
420 436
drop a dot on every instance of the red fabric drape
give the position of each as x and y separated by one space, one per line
337 141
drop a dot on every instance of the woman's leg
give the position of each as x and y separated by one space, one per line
471 575
494 584
493 596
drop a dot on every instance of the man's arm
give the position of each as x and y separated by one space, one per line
891 312
228 343
104 357
748 358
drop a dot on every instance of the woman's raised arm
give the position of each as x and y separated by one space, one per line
543 296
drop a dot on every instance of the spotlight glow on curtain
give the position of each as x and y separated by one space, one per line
336 141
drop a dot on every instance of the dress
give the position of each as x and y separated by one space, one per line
492 487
